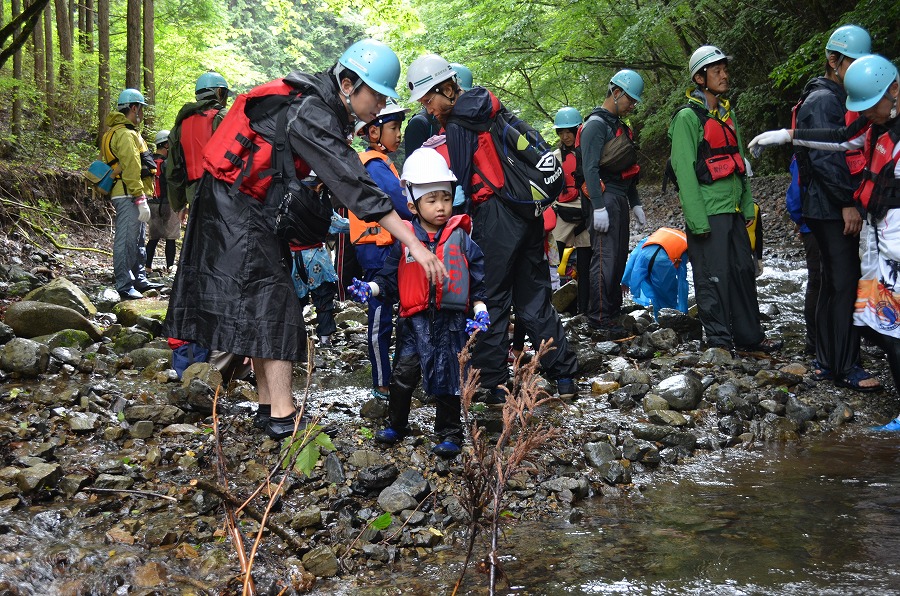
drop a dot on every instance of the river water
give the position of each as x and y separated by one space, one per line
821 518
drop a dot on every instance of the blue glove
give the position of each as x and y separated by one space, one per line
459 198
481 322
339 225
360 291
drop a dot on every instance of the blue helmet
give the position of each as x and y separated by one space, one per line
130 96
567 118
463 76
867 80
630 82
851 41
376 64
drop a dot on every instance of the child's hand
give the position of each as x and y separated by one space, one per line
360 291
481 322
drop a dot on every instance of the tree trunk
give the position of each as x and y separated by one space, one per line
102 64
66 52
89 26
14 9
40 69
149 68
50 96
133 45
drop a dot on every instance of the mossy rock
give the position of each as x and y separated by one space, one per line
67 338
129 312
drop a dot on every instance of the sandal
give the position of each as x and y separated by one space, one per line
821 372
854 378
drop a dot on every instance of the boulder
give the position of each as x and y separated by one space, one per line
24 356
131 312
31 319
62 292
564 297
682 392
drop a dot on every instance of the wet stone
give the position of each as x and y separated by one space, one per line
160 414
364 458
619 364
667 417
603 387
798 412
633 376
652 401
112 481
650 432
130 339
412 517
179 429
770 405
311 517
374 409
600 453
321 562
680 322
25 357
6 333
682 392
842 413
377 552
67 355
608 347
142 429
578 488
776 428
334 470
374 479
683 440
776 378
144 357
150 575
615 472
731 426
664 339
716 357
38 477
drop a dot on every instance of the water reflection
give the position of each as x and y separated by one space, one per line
817 519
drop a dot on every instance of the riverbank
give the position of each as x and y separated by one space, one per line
92 416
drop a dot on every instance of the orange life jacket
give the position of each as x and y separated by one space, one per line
362 232
673 241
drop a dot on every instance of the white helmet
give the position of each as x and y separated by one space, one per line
425 73
424 171
704 56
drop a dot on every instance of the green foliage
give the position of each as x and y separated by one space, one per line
305 456
366 432
382 522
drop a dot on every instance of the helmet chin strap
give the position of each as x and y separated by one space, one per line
337 77
896 100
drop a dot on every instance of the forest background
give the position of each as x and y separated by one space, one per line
62 62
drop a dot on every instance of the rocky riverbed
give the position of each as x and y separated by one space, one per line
107 483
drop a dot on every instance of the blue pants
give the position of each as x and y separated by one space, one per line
380 327
128 244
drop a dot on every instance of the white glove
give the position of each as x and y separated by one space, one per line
143 209
747 169
639 215
770 137
601 220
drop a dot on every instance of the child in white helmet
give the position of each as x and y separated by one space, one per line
433 318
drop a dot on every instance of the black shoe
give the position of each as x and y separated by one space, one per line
766 346
280 428
609 329
148 285
496 396
131 294
260 422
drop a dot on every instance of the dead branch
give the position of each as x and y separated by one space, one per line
56 243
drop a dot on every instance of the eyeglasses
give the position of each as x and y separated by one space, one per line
379 97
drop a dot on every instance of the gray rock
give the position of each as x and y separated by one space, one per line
578 487
142 429
25 357
667 417
38 477
652 401
311 517
590 359
321 562
375 478
83 422
615 472
67 338
565 296
770 405
634 376
716 357
63 292
6 333
160 414
179 429
682 392
774 428
106 299
72 483
798 412
842 413
365 458
334 470
650 432
664 339
681 323
413 483
374 409
600 453
129 339
608 347
113 481
143 357
352 315
30 319
393 499
776 378
203 371
731 426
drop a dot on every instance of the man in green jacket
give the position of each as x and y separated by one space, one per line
124 149
710 172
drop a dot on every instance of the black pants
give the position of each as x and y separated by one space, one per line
405 376
608 259
813 286
516 272
725 283
837 339
170 251
345 263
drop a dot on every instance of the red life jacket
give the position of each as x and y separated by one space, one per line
362 232
196 131
718 155
634 170
629 172
239 155
416 293
880 189
487 161
569 164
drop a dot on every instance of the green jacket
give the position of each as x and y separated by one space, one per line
699 201
126 145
